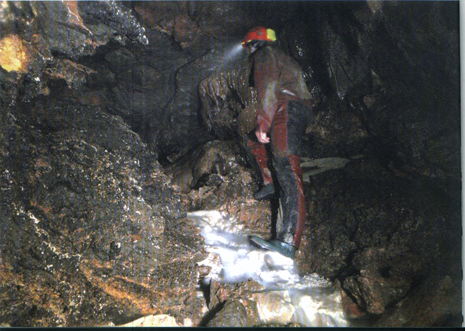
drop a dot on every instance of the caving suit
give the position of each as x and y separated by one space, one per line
284 111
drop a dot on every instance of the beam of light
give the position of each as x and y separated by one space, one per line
233 51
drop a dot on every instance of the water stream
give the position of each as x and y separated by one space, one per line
286 297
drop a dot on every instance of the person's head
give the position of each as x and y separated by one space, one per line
257 38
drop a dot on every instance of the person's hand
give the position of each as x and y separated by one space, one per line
261 136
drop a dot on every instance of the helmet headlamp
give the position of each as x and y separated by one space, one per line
259 33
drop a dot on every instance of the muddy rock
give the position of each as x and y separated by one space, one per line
228 104
86 227
54 35
232 314
380 256
438 296
232 305
213 158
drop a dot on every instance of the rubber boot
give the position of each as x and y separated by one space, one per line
291 219
265 192
274 245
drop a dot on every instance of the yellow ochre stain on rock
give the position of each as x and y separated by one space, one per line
13 54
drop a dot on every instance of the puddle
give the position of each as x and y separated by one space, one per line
286 297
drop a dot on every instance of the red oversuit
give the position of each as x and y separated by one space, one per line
284 111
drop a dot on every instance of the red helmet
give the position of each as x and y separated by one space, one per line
259 33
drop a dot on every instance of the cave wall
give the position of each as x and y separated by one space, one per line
385 70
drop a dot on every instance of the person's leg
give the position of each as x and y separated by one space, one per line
258 151
292 125
293 213
288 128
259 159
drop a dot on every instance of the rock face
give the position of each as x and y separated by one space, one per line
193 169
87 228
119 117
387 234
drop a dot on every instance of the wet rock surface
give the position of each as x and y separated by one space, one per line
118 118
89 236
381 244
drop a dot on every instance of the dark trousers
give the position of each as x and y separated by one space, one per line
290 122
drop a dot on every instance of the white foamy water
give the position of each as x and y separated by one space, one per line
287 297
